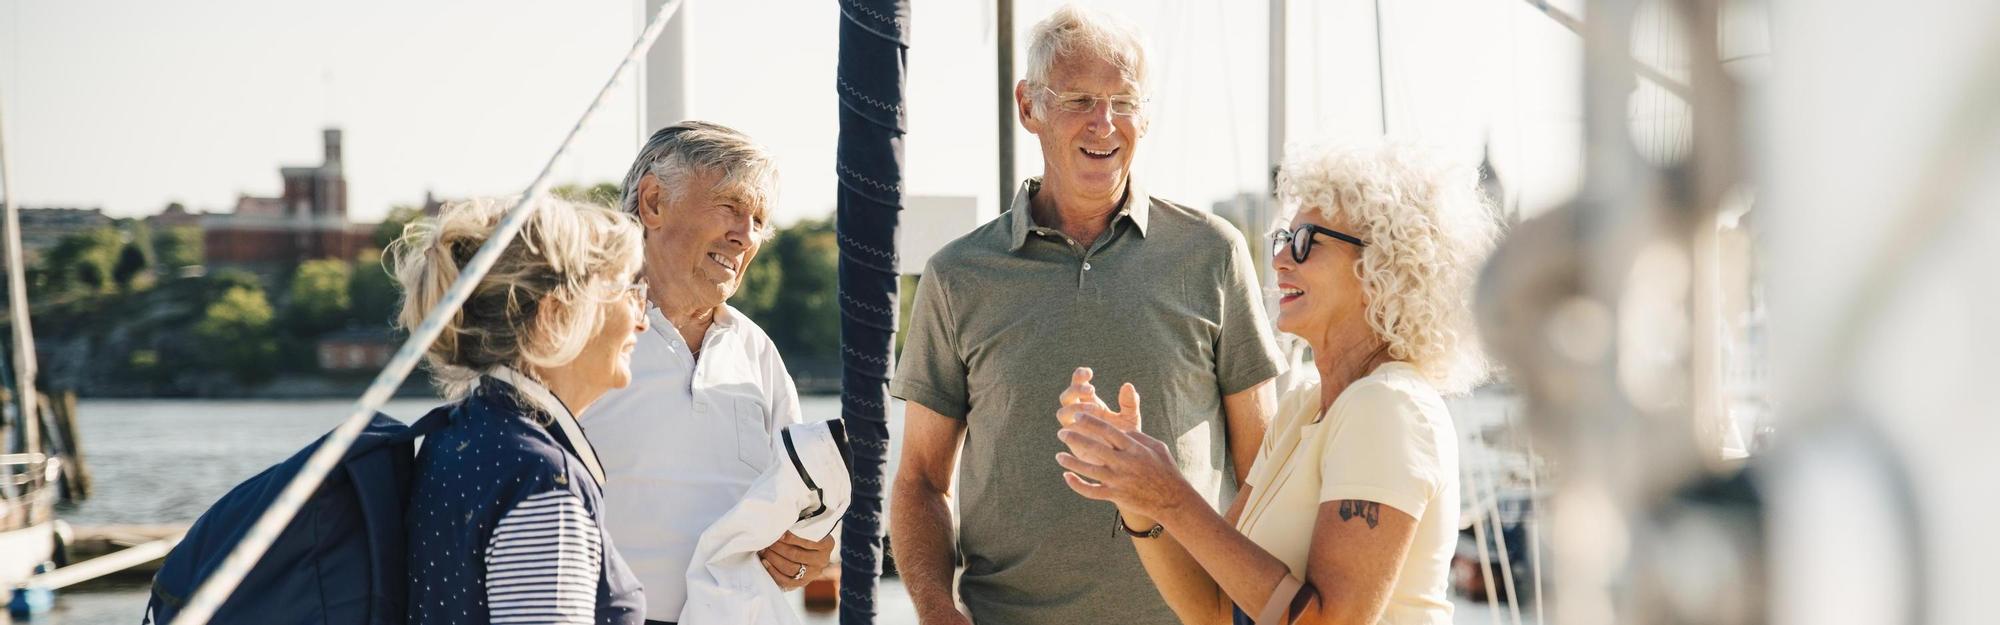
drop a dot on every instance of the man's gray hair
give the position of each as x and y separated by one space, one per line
1072 31
690 147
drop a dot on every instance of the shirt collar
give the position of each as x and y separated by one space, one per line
1137 207
542 399
726 318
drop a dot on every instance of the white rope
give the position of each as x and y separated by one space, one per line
224 580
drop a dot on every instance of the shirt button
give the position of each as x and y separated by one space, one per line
1086 266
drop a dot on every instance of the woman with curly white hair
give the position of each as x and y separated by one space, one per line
1350 514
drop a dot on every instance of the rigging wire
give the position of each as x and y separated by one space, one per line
1486 483
1575 25
1479 541
223 581
1533 527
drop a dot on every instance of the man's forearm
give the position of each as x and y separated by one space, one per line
920 528
1248 414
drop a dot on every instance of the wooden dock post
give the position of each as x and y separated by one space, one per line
6 424
61 411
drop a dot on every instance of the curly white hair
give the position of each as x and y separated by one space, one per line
1428 229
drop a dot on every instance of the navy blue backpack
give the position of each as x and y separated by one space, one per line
339 561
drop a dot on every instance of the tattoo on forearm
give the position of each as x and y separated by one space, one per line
1368 511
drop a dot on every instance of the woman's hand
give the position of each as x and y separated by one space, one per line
794 561
1081 397
1110 459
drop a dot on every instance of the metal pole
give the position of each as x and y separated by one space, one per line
1003 36
1266 209
1275 145
1381 74
663 99
17 297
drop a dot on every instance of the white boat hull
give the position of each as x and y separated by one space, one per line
21 550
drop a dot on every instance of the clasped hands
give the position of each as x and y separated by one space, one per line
1110 459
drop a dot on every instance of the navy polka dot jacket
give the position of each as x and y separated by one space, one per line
505 524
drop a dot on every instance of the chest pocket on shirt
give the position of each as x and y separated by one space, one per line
753 440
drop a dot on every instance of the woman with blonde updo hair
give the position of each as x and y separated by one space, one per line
505 515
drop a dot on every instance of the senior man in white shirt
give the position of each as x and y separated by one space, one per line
686 439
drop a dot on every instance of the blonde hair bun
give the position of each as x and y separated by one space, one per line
525 311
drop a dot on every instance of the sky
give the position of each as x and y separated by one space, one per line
129 105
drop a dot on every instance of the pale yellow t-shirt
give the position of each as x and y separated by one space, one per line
1388 439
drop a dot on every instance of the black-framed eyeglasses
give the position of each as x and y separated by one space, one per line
1301 240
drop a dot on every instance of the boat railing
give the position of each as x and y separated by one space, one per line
25 496
27 469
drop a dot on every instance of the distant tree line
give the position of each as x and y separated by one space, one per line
128 307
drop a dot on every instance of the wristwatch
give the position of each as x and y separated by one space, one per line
1155 532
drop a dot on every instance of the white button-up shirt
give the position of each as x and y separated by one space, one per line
683 442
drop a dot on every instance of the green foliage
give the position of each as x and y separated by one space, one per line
146 364
373 291
605 194
133 264
318 300
392 225
225 280
236 329
175 248
81 264
757 297
810 297
790 290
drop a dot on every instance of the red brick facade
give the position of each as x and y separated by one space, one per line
308 222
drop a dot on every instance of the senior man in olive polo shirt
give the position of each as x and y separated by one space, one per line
1084 270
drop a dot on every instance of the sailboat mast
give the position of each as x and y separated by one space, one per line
1265 211
17 308
1381 74
665 74
1275 143
1003 37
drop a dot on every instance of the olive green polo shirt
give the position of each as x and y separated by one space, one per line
1166 299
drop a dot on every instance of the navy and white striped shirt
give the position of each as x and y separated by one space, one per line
505 522
542 562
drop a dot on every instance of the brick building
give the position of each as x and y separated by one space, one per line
309 221
173 216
